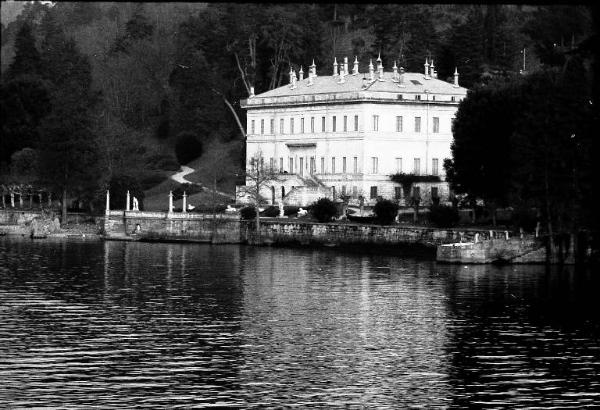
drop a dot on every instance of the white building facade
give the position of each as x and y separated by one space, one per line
345 134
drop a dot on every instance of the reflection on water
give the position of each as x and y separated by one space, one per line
89 323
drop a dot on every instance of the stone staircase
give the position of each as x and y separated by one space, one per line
306 195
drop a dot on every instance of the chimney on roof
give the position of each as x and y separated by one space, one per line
426 69
371 72
401 78
346 65
456 77
251 92
379 68
395 76
355 68
301 74
291 74
312 70
335 66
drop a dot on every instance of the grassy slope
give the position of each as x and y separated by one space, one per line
157 197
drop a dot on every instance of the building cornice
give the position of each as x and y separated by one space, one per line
347 98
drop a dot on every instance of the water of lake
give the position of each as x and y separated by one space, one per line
91 324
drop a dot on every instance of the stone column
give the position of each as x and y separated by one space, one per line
506 235
12 199
170 201
3 200
49 199
31 201
107 202
40 198
184 209
21 199
477 237
128 202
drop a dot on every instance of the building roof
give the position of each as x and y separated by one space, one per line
414 83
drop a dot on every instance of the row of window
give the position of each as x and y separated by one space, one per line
373 192
301 163
334 125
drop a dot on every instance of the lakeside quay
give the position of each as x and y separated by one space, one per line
227 228
456 245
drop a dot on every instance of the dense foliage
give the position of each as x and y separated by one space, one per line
386 211
248 212
324 209
529 144
443 216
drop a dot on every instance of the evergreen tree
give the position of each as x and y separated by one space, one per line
67 145
27 59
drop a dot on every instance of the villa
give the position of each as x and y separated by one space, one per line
346 133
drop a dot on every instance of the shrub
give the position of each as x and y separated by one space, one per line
443 216
187 147
323 210
270 212
386 211
248 212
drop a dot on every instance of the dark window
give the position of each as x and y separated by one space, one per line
417 192
415 82
434 192
398 192
373 192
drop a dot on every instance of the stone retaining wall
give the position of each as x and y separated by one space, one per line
515 250
157 226
305 233
195 227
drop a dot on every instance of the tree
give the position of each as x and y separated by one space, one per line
481 149
27 59
386 211
24 102
67 148
258 178
187 147
220 171
411 192
323 209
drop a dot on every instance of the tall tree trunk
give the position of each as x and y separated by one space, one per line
214 209
548 208
64 205
235 115
258 205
